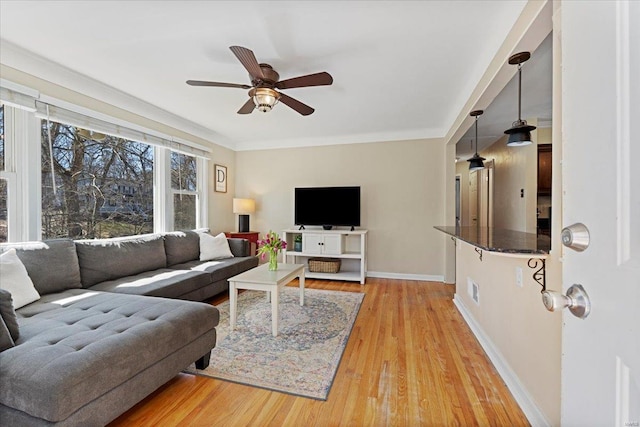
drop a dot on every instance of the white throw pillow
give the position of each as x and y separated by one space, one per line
14 278
214 247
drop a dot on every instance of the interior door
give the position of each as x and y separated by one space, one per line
485 195
473 198
600 43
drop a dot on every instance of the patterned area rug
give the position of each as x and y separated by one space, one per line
303 358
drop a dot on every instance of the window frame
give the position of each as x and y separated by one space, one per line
23 171
183 192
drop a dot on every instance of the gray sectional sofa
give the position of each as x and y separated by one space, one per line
111 325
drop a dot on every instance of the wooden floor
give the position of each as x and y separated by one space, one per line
411 360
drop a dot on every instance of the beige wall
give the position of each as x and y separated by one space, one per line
402 196
514 320
450 211
515 168
220 205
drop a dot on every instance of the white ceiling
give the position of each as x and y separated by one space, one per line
401 69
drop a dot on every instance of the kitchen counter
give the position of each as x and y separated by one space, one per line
500 240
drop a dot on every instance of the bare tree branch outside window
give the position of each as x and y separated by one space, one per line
184 186
104 184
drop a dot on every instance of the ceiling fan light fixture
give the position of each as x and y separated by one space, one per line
265 98
519 132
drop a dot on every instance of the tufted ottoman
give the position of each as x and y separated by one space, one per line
83 357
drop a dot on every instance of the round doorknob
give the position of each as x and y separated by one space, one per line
576 300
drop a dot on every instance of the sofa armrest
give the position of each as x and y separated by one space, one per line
239 247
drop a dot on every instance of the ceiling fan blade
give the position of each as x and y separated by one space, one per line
248 107
317 79
301 108
216 84
248 59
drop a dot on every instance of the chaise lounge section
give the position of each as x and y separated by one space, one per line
111 325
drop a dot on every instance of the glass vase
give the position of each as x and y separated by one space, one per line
273 260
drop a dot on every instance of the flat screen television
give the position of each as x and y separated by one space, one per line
327 206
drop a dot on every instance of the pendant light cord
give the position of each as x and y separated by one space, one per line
519 92
476 135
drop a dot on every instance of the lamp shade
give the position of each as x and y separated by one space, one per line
476 163
244 206
519 134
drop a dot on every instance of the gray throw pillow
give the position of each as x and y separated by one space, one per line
5 337
8 314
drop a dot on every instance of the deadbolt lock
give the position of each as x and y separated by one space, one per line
576 237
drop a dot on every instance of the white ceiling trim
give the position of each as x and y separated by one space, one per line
366 138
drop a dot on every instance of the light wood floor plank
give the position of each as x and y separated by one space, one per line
411 360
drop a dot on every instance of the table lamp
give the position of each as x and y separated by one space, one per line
243 207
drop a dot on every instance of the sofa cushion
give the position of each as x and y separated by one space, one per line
51 264
110 259
181 246
239 247
8 314
164 282
6 341
221 269
15 279
214 247
78 344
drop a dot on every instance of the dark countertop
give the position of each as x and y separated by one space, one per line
500 240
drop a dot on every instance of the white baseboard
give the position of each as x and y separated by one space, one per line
520 394
404 276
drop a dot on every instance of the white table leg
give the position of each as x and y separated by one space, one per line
274 310
233 298
301 280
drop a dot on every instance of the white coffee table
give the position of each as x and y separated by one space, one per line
261 279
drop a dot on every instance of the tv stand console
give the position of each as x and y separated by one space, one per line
350 246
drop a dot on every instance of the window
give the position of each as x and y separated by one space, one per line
184 188
64 173
4 229
94 185
1 138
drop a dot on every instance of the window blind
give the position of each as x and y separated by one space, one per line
62 115
16 99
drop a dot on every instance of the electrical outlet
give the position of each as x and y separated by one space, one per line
519 276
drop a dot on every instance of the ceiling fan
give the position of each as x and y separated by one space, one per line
264 82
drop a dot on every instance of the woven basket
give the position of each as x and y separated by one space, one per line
324 265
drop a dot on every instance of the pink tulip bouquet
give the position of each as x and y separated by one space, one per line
271 245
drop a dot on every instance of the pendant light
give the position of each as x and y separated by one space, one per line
476 162
520 131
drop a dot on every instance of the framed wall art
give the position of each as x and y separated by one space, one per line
220 176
